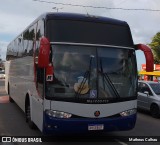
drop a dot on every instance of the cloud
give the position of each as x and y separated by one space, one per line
10 27
13 24
17 15
144 24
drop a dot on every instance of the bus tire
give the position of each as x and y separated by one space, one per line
10 99
155 112
28 118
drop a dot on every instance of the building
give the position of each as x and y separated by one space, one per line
150 76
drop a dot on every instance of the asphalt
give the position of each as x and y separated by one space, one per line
3 95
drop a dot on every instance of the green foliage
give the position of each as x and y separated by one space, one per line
155 46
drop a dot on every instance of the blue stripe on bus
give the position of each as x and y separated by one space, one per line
72 125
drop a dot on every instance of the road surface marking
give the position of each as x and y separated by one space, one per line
120 142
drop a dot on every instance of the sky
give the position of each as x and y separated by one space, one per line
16 15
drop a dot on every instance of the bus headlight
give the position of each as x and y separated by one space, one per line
128 112
58 114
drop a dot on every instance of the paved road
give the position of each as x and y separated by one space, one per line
12 123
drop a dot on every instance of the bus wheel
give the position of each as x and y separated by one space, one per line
10 99
155 112
28 118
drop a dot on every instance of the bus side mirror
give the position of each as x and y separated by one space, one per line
148 55
44 52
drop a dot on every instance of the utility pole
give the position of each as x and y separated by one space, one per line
55 8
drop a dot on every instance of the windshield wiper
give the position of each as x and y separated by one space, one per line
111 84
107 78
85 78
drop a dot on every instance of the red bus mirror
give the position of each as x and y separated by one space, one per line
44 52
148 55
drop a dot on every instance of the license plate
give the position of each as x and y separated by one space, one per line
96 127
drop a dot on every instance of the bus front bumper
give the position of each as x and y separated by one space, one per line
81 125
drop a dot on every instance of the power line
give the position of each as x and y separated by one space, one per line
98 7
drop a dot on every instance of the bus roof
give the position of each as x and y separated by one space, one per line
83 17
78 17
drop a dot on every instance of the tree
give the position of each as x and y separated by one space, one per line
155 46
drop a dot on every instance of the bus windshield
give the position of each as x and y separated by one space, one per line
88 73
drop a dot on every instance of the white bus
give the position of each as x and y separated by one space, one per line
74 73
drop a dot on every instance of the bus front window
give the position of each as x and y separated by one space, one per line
118 73
72 65
84 72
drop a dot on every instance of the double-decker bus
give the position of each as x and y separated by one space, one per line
75 73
